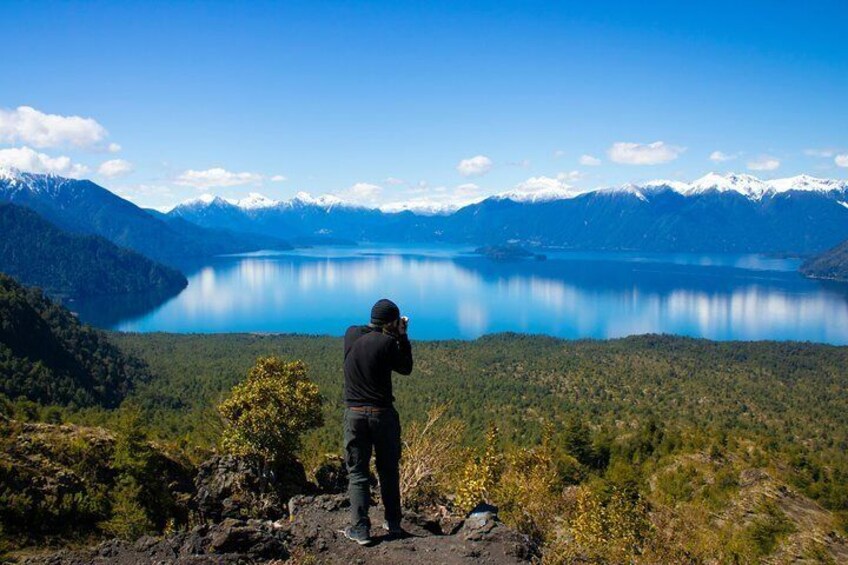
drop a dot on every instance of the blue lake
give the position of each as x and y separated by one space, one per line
449 293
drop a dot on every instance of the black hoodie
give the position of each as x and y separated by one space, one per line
370 356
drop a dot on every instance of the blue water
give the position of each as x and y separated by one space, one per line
449 293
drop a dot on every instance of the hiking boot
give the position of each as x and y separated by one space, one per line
394 529
359 534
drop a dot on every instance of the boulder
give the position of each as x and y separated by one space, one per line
232 487
331 475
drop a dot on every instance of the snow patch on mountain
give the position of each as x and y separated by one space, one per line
9 173
747 185
662 184
807 183
426 207
324 201
255 201
630 189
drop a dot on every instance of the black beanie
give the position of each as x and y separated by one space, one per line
384 312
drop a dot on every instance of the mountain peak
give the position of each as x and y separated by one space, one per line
747 185
324 200
203 201
255 200
807 182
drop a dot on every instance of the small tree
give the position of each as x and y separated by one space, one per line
265 415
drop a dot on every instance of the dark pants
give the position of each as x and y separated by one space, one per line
363 431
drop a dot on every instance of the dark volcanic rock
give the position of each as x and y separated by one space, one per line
313 534
230 542
317 520
331 476
230 487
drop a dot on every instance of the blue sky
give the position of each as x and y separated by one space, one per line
388 101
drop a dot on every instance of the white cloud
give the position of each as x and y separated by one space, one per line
589 161
475 166
29 160
523 163
279 178
570 176
764 163
393 181
721 157
821 153
216 177
540 183
841 160
559 153
115 168
362 193
654 153
28 125
113 148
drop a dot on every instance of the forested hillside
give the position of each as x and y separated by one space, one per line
832 264
785 398
48 357
37 253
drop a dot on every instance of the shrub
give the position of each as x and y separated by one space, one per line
480 474
431 454
601 528
265 415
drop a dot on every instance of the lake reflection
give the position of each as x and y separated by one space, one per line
448 293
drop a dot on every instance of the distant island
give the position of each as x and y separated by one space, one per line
508 253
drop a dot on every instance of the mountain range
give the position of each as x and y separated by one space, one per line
83 207
716 213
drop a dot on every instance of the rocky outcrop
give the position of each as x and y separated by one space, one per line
231 487
480 538
229 542
313 533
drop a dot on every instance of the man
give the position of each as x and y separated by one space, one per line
371 353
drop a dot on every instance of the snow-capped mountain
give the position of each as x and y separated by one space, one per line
716 213
546 194
257 201
808 183
746 185
82 206
424 207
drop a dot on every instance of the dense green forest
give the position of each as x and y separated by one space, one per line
832 264
37 253
785 398
651 448
48 357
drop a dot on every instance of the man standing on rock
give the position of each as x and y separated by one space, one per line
371 353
